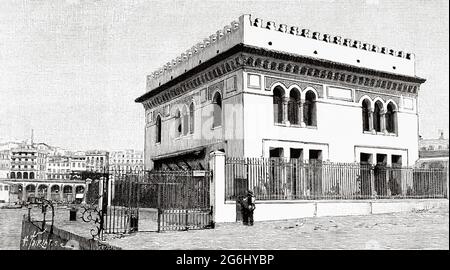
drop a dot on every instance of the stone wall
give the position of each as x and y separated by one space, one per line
36 237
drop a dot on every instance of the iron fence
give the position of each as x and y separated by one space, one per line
184 219
294 179
175 190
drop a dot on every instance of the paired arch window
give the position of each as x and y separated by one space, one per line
185 125
309 109
178 124
294 107
184 122
278 94
191 118
377 116
13 175
296 111
378 119
390 118
158 129
217 111
188 119
365 115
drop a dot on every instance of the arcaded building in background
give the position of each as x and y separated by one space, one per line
262 89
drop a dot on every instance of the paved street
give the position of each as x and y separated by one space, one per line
417 230
412 230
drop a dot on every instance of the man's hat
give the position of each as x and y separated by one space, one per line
250 192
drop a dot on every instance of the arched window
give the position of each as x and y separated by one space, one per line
25 175
158 129
185 120
390 118
217 113
309 109
178 124
13 175
31 175
365 115
191 118
377 116
293 107
278 94
19 175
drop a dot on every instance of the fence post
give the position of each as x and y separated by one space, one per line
100 193
372 182
159 219
110 186
447 178
217 187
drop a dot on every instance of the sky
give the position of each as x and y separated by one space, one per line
70 70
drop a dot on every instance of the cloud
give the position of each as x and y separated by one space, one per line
73 2
372 2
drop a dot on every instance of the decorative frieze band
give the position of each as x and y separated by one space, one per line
202 78
329 74
290 66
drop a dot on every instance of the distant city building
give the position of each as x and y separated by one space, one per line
97 160
5 163
434 152
77 163
28 162
4 192
58 167
126 160
9 145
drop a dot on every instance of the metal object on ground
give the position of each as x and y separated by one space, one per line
73 214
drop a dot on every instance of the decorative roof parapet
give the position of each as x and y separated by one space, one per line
233 34
197 49
257 22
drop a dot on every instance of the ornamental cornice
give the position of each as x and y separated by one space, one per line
299 67
327 75
225 67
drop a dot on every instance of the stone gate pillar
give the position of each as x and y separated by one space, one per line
222 212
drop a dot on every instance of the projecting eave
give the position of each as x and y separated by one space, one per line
283 56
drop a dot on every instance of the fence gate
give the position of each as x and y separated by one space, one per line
115 196
182 199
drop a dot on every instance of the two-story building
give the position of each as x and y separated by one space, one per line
262 89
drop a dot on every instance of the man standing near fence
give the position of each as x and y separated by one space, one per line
248 206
